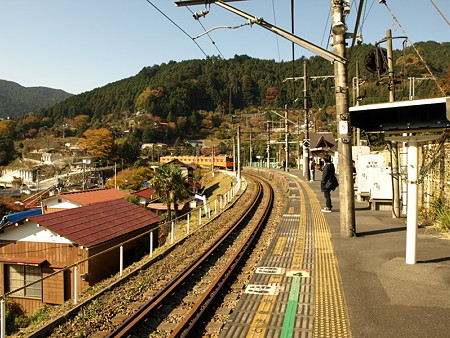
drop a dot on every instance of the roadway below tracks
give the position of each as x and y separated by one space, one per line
313 283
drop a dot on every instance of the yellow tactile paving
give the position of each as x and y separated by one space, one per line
258 327
330 312
279 247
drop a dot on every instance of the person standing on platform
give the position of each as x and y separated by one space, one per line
329 183
312 169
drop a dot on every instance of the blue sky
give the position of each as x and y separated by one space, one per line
80 45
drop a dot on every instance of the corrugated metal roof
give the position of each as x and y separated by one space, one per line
144 193
87 197
18 216
98 223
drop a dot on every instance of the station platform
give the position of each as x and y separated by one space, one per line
313 283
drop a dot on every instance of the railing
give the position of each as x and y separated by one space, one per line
180 228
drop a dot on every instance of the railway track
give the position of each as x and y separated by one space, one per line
185 305
102 315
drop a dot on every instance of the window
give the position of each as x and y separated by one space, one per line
20 275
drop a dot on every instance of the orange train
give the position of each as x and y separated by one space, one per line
220 161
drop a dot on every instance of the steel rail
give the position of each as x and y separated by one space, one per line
123 329
191 323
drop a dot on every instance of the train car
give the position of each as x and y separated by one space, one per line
219 161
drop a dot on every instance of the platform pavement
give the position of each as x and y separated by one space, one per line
385 296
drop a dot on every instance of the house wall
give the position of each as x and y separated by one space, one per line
55 289
108 263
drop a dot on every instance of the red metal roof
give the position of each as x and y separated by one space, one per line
144 193
97 223
87 197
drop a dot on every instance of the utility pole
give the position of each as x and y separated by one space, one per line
306 172
239 155
250 149
268 147
357 98
394 144
346 191
286 139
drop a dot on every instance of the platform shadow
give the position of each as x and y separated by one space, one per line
379 232
436 260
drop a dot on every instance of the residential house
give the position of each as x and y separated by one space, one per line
144 195
37 246
322 144
69 200
19 171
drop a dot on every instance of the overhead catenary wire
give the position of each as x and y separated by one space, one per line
207 33
413 46
358 17
176 25
276 35
437 8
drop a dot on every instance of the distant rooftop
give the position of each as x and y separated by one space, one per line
87 197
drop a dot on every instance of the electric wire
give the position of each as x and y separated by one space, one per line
367 12
207 33
276 35
413 46
355 30
437 8
325 28
176 25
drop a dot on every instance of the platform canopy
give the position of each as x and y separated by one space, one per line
403 116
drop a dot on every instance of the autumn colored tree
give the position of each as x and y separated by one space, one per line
97 142
8 129
131 179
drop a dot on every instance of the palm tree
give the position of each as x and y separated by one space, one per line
169 185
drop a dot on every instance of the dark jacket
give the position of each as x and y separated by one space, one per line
327 173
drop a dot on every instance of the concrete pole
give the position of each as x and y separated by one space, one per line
346 192
268 147
121 261
239 156
250 150
234 156
411 221
306 171
357 94
394 145
2 318
75 284
286 138
151 243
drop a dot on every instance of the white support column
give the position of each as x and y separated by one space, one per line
215 206
2 319
121 261
151 244
188 224
199 216
411 220
75 284
172 230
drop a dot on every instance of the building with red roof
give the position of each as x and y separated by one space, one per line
76 199
40 245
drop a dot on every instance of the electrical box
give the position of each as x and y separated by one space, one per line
365 171
381 187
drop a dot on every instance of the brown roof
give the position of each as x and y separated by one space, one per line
145 193
87 197
97 223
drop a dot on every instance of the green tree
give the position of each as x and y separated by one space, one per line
170 188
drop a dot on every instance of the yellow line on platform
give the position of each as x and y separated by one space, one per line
279 246
330 312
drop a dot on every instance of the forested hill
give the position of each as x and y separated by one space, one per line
16 100
175 89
